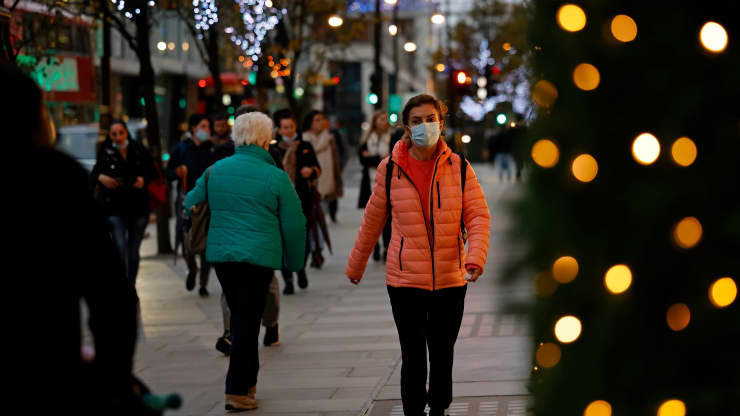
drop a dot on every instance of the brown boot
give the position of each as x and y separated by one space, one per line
240 402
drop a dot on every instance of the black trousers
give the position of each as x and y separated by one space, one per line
245 287
427 319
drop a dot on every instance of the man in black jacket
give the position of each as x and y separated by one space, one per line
188 160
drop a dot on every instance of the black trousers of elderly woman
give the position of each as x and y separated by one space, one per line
245 287
427 319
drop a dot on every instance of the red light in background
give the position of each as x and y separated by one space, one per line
496 70
335 80
202 83
245 82
461 77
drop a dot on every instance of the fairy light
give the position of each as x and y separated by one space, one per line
645 149
545 153
598 408
585 168
568 329
565 269
672 407
548 355
618 279
713 37
723 292
571 18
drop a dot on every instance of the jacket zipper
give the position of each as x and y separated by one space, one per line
400 251
439 197
431 219
459 257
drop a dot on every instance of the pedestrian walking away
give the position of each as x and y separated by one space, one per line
123 169
374 147
256 227
434 201
189 159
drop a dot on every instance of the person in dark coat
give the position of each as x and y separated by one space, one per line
188 160
303 168
60 236
222 136
123 169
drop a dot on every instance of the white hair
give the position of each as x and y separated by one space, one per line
252 128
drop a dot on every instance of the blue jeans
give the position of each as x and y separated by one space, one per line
128 233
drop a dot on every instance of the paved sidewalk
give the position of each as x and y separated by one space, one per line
339 352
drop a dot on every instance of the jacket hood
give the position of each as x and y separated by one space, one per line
401 155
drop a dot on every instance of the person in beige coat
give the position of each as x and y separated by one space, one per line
330 185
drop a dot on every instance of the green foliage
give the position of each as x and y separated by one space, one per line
664 82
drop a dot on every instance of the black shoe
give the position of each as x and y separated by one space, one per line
203 292
438 412
223 345
302 280
289 290
190 281
272 337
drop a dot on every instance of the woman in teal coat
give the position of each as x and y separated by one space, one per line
256 226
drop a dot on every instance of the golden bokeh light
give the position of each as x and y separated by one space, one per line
678 317
723 292
565 269
687 232
586 77
585 168
646 149
544 284
684 151
618 279
672 407
548 355
624 28
713 37
571 18
598 408
544 93
545 153
440 67
568 329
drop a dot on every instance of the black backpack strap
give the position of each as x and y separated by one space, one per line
463 179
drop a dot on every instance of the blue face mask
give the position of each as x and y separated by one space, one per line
201 135
425 134
121 146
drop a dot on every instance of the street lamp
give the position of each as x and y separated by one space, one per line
335 21
437 18
390 1
465 139
409 46
393 30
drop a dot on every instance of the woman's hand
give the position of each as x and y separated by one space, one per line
139 182
473 274
306 172
182 171
108 182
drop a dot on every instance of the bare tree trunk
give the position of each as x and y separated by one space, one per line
146 75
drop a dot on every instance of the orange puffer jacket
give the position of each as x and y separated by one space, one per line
415 258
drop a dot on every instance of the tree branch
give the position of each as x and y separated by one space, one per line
193 31
122 29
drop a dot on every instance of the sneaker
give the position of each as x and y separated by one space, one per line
272 337
289 290
223 345
240 402
302 279
190 281
203 292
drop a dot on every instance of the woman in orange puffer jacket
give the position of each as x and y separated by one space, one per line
426 263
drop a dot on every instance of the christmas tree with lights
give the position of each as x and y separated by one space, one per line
630 215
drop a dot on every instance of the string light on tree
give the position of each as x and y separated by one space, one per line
684 151
624 28
259 18
586 77
687 233
678 316
568 329
571 18
646 149
393 30
335 21
723 292
544 93
618 279
598 408
713 37
585 168
565 269
465 139
545 153
409 47
673 407
548 355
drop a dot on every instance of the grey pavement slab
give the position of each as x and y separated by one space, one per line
339 352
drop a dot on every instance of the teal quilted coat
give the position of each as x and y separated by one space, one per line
256 215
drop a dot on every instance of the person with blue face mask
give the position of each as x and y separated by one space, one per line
188 160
